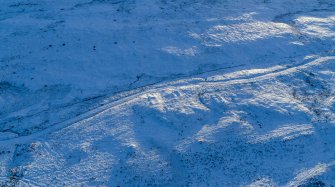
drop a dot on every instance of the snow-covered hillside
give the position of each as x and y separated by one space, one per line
167 93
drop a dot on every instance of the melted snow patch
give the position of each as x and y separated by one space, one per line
245 32
321 27
286 133
263 182
306 174
179 51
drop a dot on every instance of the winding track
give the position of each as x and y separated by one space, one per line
127 96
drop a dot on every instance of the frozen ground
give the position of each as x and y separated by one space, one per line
167 93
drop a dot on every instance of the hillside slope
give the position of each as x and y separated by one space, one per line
167 93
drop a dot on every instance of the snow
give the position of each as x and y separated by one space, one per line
167 93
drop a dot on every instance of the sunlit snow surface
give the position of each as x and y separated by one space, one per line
167 93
